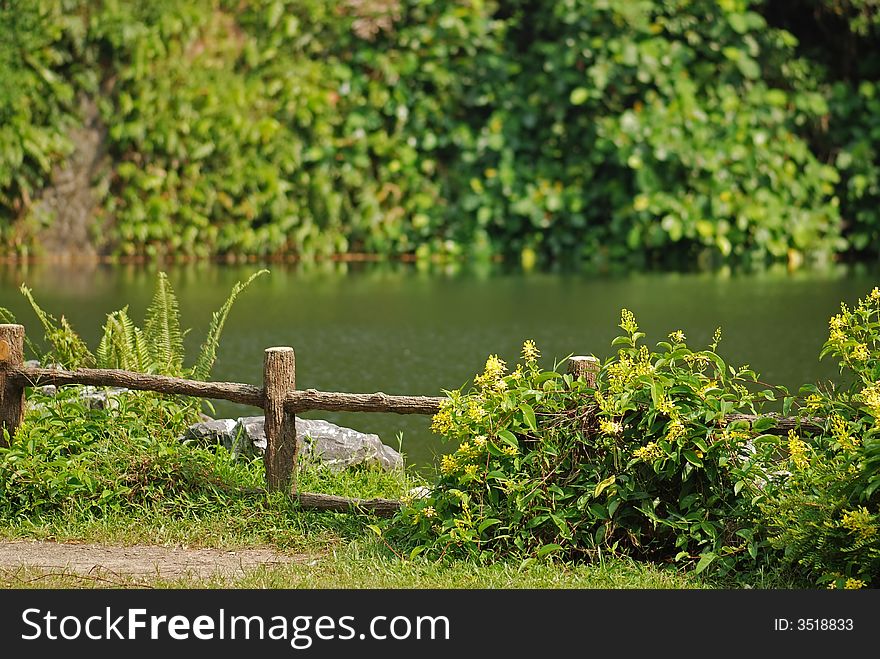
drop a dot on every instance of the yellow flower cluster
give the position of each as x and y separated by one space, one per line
678 336
797 448
493 371
530 352
860 352
871 398
860 522
441 422
509 450
606 405
628 321
471 470
475 410
814 402
674 430
648 452
854 584
836 325
621 372
610 427
840 432
875 295
448 465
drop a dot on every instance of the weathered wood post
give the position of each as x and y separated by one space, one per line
585 366
279 378
11 393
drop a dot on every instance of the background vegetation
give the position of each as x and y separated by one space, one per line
600 130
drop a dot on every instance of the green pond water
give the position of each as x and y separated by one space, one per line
402 330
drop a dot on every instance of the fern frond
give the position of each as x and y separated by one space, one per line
162 329
123 345
208 352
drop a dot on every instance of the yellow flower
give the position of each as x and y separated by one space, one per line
798 450
429 512
628 321
860 522
678 336
648 452
441 422
674 430
875 294
610 427
471 470
448 464
860 352
509 450
475 410
840 432
493 371
530 352
854 584
871 398
480 441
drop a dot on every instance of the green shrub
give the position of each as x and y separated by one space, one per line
826 514
643 464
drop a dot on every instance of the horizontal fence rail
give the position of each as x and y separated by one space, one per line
278 398
234 392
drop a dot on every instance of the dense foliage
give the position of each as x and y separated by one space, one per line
826 514
649 462
559 128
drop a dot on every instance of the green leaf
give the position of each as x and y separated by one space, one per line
547 549
486 523
763 423
691 457
579 95
602 485
528 415
508 438
705 561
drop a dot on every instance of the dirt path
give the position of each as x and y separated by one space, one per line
137 560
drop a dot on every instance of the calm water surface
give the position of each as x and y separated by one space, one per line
397 329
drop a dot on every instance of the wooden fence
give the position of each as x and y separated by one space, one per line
278 398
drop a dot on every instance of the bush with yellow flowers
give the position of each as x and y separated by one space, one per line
826 514
642 462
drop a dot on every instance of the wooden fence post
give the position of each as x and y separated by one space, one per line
279 378
588 367
11 393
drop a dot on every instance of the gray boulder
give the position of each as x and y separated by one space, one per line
101 398
324 442
215 431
